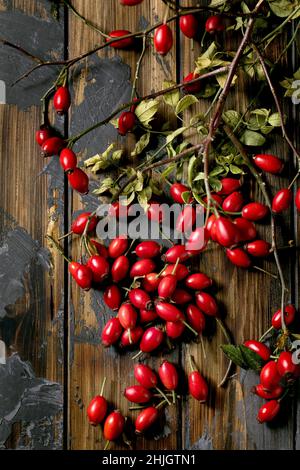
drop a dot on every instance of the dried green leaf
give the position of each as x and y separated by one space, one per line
234 354
235 170
231 117
274 120
173 97
146 110
141 144
253 139
175 134
251 358
185 102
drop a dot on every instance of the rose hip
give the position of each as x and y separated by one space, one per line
174 329
155 212
126 122
269 376
79 181
44 133
150 282
176 192
207 304
195 318
193 87
198 281
120 43
113 426
289 317
145 376
127 316
167 311
282 200
285 364
268 163
259 348
81 274
163 39
131 337
189 25
142 267
52 146
80 223
137 394
62 100
214 24
118 246
131 3
246 229
111 332
168 375
112 297
145 419
68 160
260 391
255 211
229 185
297 199
96 410
226 232
258 248
238 257
147 316
167 286
181 271
99 266
197 241
175 252
148 249
120 268
140 299
233 202
181 296
268 411
186 219
151 339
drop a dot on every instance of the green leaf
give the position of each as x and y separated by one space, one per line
175 134
231 117
105 185
274 120
284 8
141 144
144 196
168 170
115 123
191 170
253 139
104 160
199 177
215 184
235 170
216 171
234 354
185 103
173 97
222 78
251 358
146 110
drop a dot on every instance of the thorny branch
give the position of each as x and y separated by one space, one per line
262 186
216 118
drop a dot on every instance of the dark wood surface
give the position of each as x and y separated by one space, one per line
49 323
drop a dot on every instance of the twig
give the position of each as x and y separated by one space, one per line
20 49
85 20
216 118
208 8
263 189
74 139
178 157
276 100
138 66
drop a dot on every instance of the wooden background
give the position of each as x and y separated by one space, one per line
56 327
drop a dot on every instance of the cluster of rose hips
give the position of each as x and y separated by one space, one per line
279 372
52 144
237 235
114 422
146 394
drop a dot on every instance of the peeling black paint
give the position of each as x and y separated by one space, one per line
18 251
40 35
34 402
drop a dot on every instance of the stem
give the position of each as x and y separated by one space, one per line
228 339
138 66
137 355
190 328
102 387
65 235
161 404
174 397
265 334
279 110
265 272
107 444
58 247
262 186
85 20
163 395
23 51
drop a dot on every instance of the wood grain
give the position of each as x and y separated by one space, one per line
33 327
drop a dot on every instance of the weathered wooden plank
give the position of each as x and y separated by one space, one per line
229 419
100 85
31 312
